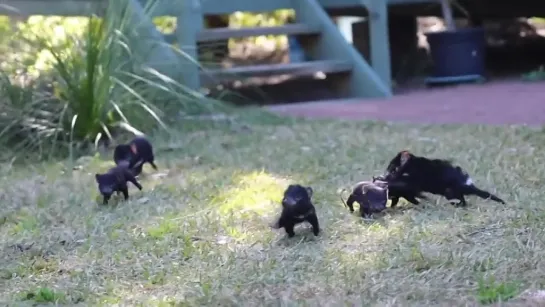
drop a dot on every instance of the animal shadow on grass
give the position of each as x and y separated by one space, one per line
304 241
303 234
405 208
115 201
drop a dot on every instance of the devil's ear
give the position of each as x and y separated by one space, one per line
134 149
405 156
97 176
309 191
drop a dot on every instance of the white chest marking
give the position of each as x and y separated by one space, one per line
469 181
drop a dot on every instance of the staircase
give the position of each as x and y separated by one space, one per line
211 76
325 48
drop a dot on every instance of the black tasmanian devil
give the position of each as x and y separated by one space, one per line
137 152
400 188
297 207
436 176
372 198
115 180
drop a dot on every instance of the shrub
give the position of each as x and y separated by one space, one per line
87 88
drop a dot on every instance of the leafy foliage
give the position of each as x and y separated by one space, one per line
79 87
80 105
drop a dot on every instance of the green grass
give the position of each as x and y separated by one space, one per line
198 233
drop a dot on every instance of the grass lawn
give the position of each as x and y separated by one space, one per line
198 233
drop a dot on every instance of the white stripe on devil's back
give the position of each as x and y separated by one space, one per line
138 163
469 181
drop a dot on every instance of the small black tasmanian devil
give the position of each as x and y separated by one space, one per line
297 207
115 180
435 176
372 197
136 153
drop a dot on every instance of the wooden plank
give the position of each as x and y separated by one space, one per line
218 7
168 7
209 35
226 7
226 33
299 69
398 2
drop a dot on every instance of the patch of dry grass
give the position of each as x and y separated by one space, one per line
198 233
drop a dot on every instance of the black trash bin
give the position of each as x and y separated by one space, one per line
457 55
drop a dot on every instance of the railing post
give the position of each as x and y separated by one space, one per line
379 37
190 22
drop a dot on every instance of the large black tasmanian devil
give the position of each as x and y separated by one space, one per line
136 153
436 176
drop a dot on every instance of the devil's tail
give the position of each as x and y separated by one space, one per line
349 203
473 190
342 199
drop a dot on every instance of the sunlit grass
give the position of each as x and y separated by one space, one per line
198 234
253 192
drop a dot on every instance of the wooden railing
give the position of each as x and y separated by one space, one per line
165 7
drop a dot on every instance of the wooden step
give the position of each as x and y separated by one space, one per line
226 33
298 69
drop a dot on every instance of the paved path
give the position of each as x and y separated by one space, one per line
496 103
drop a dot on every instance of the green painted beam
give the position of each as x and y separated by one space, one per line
379 41
397 2
190 24
168 7
226 7
363 82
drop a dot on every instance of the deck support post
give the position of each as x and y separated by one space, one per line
190 22
379 40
